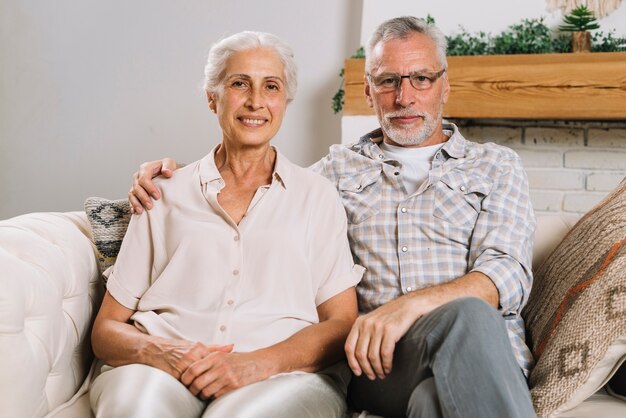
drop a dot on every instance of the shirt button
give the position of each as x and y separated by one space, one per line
408 289
403 210
381 156
236 237
404 249
396 173
463 188
223 328
230 302
235 272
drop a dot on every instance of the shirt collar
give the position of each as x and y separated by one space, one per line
209 172
454 146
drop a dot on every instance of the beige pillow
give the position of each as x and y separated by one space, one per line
109 221
576 314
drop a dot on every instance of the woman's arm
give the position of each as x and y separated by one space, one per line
118 342
311 349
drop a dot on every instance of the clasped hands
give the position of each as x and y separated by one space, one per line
208 371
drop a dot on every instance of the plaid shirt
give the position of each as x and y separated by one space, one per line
472 214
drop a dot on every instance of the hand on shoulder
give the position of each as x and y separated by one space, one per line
143 189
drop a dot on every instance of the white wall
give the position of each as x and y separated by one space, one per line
89 89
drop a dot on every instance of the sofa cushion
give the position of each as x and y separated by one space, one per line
576 313
109 221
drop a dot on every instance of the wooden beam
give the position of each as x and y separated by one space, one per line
539 86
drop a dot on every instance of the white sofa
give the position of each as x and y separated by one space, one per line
50 290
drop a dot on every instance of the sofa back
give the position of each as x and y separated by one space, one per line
50 289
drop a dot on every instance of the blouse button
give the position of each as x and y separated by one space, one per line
223 328
404 249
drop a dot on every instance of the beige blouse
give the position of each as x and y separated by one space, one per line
190 272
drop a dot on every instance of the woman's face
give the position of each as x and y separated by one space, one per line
252 100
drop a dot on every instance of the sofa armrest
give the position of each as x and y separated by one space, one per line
50 290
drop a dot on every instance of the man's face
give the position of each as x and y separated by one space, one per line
408 116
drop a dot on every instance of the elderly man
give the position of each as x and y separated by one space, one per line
444 228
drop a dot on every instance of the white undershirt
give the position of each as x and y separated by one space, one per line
416 162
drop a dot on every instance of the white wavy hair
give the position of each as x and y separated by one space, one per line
222 50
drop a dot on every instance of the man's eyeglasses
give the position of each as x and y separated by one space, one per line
387 82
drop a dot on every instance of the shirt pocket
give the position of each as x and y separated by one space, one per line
361 194
458 198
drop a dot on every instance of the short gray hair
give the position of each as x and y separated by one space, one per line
222 50
402 27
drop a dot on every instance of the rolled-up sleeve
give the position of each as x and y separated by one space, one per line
133 271
501 244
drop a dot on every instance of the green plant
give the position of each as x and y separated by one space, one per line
580 19
562 44
608 42
531 36
466 43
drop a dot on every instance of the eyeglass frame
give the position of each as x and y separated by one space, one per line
434 76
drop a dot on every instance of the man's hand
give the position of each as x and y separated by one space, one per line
143 190
372 340
373 337
221 372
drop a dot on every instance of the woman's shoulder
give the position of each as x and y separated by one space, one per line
183 181
305 177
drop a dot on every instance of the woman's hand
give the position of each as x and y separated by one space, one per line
221 372
116 341
176 356
143 190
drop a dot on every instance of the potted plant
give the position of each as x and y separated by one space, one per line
579 22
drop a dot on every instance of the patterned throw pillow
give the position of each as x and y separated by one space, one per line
576 314
109 220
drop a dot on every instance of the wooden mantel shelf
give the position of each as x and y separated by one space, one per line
540 86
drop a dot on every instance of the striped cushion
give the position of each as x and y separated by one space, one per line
576 314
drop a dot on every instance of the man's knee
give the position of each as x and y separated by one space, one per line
472 311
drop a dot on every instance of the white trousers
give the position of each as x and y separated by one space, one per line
138 391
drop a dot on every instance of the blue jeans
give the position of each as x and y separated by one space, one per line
456 361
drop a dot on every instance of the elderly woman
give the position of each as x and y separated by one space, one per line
234 295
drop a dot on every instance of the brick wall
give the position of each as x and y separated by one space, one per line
570 165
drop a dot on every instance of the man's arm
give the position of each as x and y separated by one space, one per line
311 349
372 340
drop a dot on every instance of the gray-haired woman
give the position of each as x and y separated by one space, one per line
238 286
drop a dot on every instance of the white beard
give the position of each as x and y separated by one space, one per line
409 136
